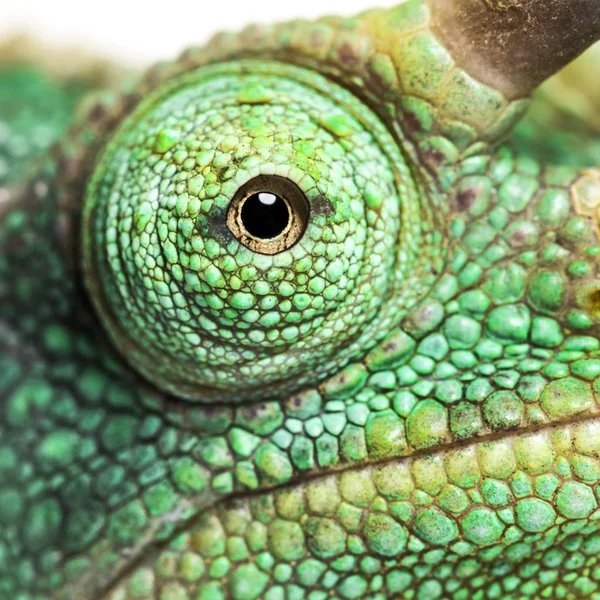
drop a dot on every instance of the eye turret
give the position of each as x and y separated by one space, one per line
242 231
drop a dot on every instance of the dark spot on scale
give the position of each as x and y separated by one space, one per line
526 385
216 222
519 236
347 54
251 411
303 453
594 301
211 411
97 112
434 157
412 122
322 206
378 84
465 199
390 347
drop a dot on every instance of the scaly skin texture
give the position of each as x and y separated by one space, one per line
405 404
35 112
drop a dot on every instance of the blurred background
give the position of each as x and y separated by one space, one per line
138 33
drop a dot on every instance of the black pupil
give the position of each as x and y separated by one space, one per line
265 215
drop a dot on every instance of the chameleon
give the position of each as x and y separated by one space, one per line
309 312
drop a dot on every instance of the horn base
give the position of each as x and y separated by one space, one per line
514 45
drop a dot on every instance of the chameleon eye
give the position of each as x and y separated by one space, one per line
241 231
268 214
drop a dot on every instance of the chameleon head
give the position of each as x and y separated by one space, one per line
241 230
251 226
322 208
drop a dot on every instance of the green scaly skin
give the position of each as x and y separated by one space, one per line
402 405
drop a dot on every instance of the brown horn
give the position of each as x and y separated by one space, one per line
514 45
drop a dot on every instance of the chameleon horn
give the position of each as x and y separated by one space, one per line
514 45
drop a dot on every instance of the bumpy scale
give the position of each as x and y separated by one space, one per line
312 312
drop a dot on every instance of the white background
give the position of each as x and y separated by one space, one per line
138 32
